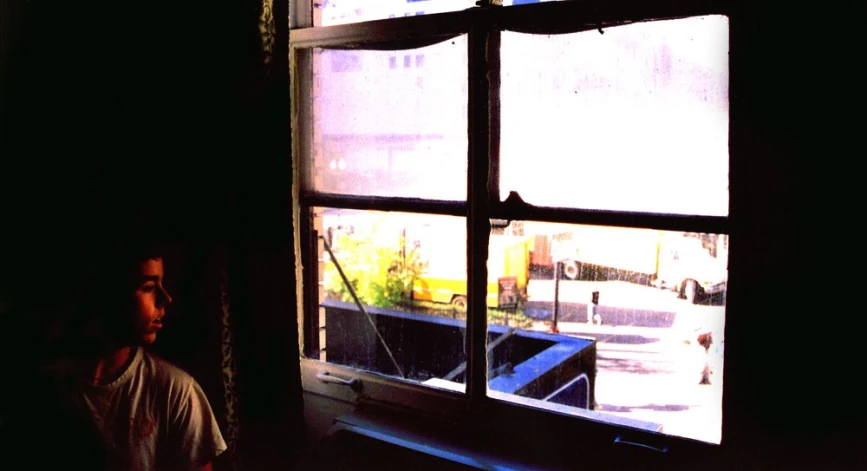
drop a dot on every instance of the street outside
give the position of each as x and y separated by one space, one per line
649 362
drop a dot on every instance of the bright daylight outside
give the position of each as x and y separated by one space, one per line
617 324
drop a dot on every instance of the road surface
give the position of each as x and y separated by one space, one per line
649 363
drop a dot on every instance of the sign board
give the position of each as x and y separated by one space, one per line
507 292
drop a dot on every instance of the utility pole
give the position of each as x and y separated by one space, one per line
556 296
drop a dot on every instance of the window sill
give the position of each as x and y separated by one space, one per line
446 442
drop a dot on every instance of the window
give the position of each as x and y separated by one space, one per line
536 220
344 61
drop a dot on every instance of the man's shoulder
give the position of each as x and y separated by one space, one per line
164 372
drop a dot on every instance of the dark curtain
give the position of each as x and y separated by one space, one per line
118 115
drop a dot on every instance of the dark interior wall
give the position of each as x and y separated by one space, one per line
120 115
797 96
115 103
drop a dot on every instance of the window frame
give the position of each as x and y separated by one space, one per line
483 26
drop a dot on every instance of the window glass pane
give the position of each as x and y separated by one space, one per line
408 275
614 324
391 123
337 12
635 119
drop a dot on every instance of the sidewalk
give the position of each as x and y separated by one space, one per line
622 304
685 321
627 334
652 374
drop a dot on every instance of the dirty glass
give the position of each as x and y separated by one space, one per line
629 118
615 324
392 292
391 123
621 325
338 12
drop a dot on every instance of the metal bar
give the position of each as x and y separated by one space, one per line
620 440
327 377
463 366
361 306
557 271
504 368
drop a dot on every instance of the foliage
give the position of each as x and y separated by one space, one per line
510 318
380 269
515 318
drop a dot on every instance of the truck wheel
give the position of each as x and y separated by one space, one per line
459 302
571 270
690 291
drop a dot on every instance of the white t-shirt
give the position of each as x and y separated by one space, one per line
155 416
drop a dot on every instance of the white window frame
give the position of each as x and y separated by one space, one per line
482 205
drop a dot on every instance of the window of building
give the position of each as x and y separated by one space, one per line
539 224
345 61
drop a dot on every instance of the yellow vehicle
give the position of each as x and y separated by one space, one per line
444 281
669 260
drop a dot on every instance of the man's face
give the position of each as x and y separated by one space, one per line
150 300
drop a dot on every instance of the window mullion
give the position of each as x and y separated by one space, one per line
493 76
483 46
300 13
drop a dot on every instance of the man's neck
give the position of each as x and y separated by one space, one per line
109 366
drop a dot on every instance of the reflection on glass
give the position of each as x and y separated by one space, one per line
635 119
610 323
378 308
391 123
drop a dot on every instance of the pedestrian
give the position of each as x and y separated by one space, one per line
705 339
593 316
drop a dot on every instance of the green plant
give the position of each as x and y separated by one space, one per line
516 318
513 318
380 270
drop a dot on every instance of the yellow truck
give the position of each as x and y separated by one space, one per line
694 265
672 260
444 280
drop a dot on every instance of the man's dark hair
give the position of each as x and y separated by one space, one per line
107 287
124 254
114 275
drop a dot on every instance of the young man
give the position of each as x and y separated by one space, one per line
146 413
